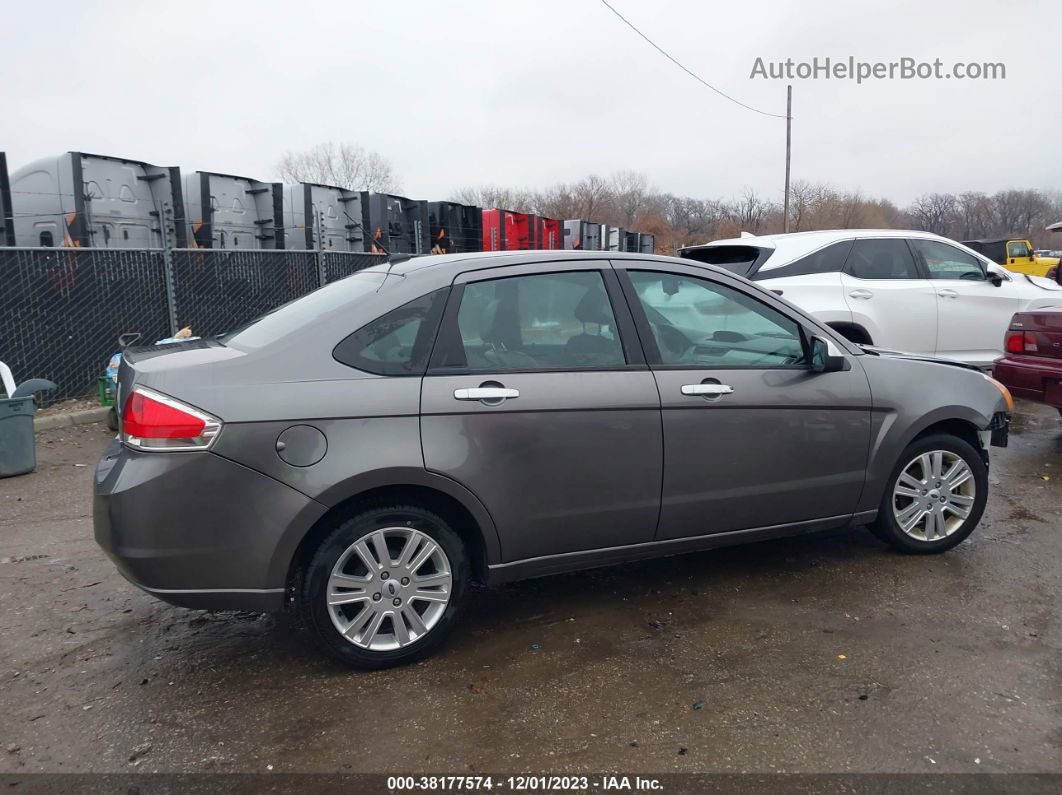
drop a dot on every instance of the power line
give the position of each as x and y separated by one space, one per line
696 77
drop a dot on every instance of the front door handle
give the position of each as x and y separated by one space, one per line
947 292
486 393
707 390
861 294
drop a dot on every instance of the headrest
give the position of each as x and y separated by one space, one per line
593 308
501 323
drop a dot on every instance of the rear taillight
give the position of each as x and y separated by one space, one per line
152 421
1021 342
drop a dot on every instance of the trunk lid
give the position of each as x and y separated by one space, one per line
165 368
1046 328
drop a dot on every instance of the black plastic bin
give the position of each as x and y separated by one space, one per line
18 451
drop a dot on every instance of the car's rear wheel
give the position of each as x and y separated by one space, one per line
385 587
935 496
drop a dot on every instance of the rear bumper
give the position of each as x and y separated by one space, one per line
198 530
1031 377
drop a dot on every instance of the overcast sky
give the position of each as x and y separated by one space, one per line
470 92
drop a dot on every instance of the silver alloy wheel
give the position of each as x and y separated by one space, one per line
389 588
933 495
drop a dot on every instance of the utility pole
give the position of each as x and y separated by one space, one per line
788 153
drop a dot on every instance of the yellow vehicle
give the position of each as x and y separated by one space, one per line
1014 255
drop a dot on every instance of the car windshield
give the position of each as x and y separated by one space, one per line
293 315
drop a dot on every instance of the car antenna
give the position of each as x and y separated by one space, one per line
392 260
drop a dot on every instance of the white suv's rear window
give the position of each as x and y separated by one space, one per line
741 260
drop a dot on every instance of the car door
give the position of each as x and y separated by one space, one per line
752 437
973 313
1020 257
889 296
539 401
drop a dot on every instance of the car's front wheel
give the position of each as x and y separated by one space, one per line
935 496
385 587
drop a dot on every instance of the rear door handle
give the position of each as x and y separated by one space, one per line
707 390
947 292
486 393
861 294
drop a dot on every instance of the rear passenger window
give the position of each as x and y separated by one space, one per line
398 343
882 258
549 321
829 259
741 260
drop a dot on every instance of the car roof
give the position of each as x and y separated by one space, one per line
449 265
811 240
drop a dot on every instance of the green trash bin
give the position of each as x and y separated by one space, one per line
18 449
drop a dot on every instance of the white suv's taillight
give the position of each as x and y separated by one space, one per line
153 421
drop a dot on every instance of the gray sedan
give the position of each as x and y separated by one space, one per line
363 453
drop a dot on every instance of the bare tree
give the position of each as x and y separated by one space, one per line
750 211
973 215
630 191
933 212
342 165
491 196
850 207
593 197
804 198
1009 210
557 201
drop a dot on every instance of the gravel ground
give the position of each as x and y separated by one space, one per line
823 653
66 406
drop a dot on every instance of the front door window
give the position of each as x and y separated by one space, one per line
697 323
947 262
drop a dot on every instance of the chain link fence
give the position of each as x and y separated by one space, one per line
63 309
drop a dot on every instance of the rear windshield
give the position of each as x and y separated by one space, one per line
289 317
742 260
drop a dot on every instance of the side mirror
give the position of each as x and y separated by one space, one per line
995 278
824 358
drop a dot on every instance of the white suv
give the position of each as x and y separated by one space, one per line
909 291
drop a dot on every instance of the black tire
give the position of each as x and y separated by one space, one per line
885 525
311 588
112 419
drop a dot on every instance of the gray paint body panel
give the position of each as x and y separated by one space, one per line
573 463
567 475
174 522
787 443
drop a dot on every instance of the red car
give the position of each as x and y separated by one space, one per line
1032 365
